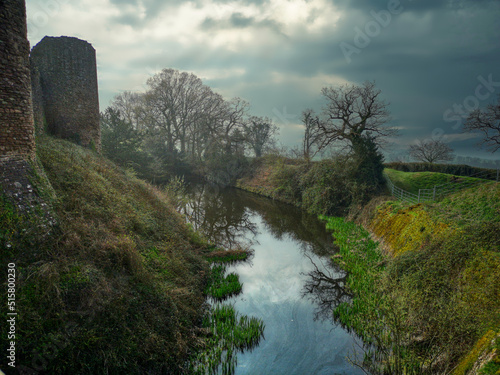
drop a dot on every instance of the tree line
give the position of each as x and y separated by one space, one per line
180 124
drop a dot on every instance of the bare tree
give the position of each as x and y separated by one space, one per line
314 140
488 123
233 122
175 100
354 111
259 133
431 151
130 106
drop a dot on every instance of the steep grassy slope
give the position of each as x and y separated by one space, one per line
117 287
413 181
445 269
406 227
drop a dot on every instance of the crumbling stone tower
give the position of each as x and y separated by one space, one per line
17 131
65 87
17 138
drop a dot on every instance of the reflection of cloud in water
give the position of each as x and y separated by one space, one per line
276 272
273 287
288 245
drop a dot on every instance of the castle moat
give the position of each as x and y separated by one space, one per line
289 282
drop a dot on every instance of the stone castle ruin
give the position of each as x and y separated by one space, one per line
17 133
64 85
55 88
64 101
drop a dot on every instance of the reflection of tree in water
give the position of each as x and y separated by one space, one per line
224 217
223 220
286 220
326 287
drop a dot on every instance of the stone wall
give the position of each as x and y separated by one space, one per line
16 117
37 99
65 73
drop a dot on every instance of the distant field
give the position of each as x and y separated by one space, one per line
413 181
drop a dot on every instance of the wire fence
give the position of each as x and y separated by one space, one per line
440 191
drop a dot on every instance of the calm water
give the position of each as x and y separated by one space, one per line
289 283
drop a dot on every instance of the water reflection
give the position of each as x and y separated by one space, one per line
223 216
326 288
289 284
223 220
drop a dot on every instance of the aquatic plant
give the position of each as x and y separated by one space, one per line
373 314
228 334
221 286
422 310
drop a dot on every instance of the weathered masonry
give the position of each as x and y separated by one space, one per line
17 131
17 138
65 96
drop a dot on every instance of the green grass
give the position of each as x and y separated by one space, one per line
422 311
413 181
230 333
221 286
476 205
492 367
227 332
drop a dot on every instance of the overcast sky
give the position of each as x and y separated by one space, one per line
432 59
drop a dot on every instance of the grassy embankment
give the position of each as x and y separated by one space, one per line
413 181
120 283
429 303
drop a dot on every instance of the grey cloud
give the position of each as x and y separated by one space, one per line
125 2
426 60
239 21
412 5
153 8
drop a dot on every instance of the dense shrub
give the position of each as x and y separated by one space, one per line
285 180
121 143
330 187
368 162
333 187
222 168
